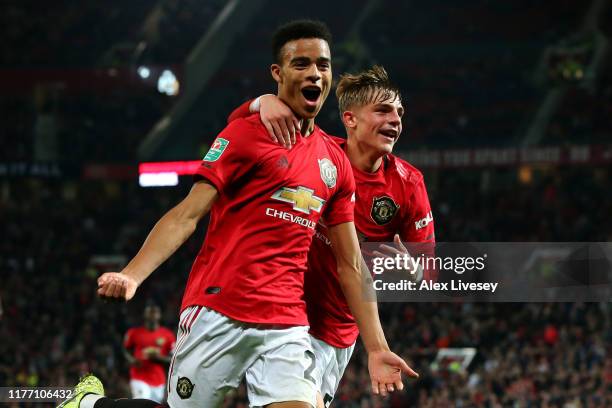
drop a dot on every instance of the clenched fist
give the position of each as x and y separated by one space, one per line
116 286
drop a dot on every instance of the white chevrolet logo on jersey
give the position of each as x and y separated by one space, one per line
302 198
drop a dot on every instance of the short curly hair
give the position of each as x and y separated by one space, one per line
296 30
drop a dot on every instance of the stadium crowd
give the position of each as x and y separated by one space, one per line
54 329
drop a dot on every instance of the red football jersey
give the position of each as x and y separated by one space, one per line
391 201
252 263
138 339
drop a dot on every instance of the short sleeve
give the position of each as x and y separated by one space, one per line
232 155
341 207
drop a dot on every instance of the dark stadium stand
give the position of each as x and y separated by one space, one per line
73 127
550 208
181 24
65 35
465 67
80 37
584 116
57 329
69 36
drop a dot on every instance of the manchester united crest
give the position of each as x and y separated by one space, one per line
329 173
184 387
383 210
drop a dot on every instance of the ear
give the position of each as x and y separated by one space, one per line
349 119
275 70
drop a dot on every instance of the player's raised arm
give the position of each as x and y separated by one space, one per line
385 367
170 232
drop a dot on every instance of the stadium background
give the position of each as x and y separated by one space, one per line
81 105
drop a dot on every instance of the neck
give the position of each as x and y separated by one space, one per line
362 158
307 127
152 326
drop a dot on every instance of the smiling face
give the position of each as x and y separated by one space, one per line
304 76
376 125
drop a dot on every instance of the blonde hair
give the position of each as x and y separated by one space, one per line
369 86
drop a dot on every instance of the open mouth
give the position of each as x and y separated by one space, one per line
311 93
390 133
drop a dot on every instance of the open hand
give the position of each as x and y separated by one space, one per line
386 370
279 120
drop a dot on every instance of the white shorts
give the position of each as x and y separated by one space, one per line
141 389
331 363
214 352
